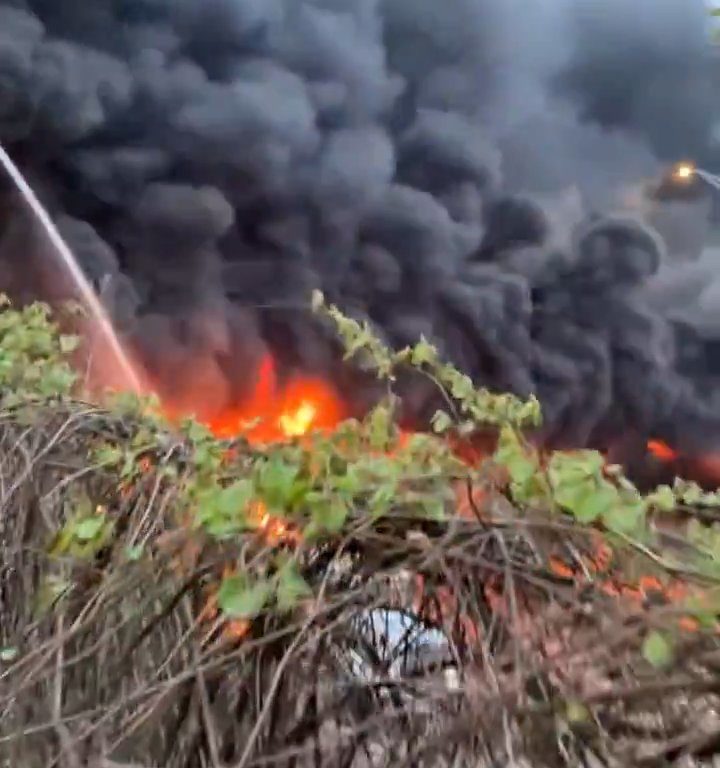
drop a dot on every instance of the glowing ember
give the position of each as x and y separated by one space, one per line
273 529
661 450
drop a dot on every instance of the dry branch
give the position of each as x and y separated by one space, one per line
426 644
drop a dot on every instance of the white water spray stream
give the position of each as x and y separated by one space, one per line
131 379
709 178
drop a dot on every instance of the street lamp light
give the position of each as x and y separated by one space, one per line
686 172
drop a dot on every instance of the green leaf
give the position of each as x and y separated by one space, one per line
380 425
433 508
689 493
441 422
134 554
129 466
347 484
240 599
329 516
8 654
68 344
511 450
234 499
217 512
52 589
657 650
89 528
711 499
521 468
108 455
461 387
291 588
662 498
358 338
594 503
276 482
576 713
382 499
571 467
530 413
423 353
196 432
626 517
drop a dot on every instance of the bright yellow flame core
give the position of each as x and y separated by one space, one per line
684 171
299 421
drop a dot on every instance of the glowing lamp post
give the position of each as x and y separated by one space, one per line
684 172
687 172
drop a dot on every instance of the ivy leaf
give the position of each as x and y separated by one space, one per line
509 447
357 339
90 528
109 455
291 588
625 517
690 493
8 655
347 484
705 607
134 554
380 424
433 508
594 503
220 510
52 589
129 466
382 499
576 713
711 499
461 387
329 516
521 468
530 413
240 599
68 343
423 353
657 650
569 468
196 432
441 422
662 499
234 499
276 482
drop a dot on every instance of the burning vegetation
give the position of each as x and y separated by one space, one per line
209 164
271 413
389 563
325 591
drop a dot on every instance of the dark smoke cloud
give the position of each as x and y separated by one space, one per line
212 162
644 67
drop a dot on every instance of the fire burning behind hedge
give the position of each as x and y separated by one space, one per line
272 412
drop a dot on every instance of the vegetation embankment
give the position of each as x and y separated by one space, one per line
354 598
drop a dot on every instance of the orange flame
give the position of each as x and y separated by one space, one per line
299 421
272 414
662 451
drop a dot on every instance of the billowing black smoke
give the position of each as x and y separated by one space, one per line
213 161
632 68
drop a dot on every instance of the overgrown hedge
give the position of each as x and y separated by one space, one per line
171 599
